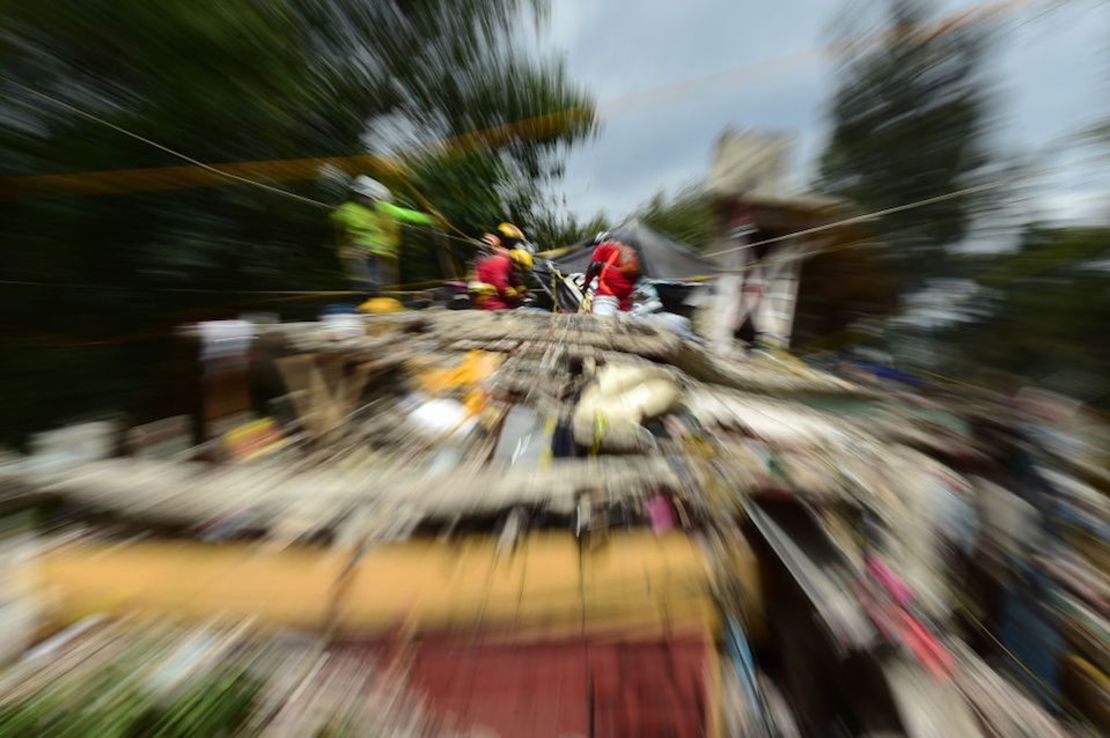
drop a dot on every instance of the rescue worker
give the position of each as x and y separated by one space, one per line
369 232
500 277
616 267
479 290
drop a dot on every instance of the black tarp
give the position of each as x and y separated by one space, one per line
661 257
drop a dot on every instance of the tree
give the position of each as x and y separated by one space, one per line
909 121
528 117
553 229
1042 309
223 82
687 217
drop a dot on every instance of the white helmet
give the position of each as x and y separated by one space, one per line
370 187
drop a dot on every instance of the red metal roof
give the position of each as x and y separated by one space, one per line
558 690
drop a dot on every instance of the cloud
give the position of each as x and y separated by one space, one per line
1078 208
618 49
648 144
638 154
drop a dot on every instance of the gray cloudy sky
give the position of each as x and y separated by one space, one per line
1052 71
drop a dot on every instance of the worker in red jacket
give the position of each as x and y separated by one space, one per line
616 266
501 276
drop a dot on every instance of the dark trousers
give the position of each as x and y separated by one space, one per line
369 273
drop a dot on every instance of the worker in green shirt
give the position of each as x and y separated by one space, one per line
369 229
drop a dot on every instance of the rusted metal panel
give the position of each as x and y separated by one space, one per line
571 688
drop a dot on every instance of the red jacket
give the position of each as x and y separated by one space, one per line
497 270
611 281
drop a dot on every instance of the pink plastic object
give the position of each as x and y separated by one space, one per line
898 590
661 514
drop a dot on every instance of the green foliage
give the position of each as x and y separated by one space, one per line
527 118
1045 309
113 704
253 80
552 229
686 217
909 120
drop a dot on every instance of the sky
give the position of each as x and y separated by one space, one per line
1050 69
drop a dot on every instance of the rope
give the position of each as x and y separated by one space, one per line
866 217
173 152
221 172
966 610
463 238
504 132
874 215
944 25
399 288
199 290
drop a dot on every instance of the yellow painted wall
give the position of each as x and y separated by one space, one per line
635 583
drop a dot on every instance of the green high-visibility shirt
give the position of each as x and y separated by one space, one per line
376 229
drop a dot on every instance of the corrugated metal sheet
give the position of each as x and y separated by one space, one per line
577 688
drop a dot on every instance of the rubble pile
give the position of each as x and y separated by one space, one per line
886 517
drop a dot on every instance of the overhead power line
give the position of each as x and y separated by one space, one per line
796 234
161 178
162 147
195 162
874 215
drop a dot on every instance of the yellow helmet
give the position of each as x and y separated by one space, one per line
511 232
521 258
381 305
